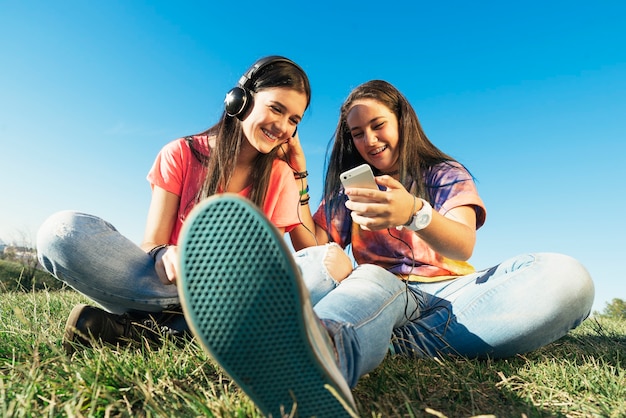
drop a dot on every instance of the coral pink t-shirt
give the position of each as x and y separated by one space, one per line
178 171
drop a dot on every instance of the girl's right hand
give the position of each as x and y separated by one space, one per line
375 209
166 265
292 152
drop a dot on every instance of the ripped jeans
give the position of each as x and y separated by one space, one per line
517 306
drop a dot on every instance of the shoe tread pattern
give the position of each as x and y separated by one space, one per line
230 253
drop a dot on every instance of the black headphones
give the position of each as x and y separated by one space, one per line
239 99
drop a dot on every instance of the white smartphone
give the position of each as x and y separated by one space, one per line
361 177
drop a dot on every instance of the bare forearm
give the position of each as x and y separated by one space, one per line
305 235
449 237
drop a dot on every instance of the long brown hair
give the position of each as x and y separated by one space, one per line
416 152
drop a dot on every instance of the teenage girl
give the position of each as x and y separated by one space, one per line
132 285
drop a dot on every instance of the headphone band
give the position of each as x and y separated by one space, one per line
246 79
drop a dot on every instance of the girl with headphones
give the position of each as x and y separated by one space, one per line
134 286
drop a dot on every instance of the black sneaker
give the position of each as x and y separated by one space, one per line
244 299
87 324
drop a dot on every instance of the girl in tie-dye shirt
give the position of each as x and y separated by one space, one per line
412 284
403 251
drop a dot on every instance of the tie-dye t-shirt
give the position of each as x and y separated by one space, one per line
449 185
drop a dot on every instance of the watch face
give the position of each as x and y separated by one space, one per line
422 219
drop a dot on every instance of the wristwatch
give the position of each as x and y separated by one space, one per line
421 219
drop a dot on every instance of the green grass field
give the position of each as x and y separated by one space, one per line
581 375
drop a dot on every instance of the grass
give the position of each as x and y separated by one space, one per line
581 375
15 276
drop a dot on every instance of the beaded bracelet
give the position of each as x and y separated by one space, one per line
156 250
305 191
300 174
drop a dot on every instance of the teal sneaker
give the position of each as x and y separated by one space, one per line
243 298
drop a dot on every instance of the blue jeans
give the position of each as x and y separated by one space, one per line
517 306
91 256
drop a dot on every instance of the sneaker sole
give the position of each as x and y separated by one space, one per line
243 298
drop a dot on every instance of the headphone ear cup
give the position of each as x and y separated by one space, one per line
236 102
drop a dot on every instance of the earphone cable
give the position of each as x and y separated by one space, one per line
406 282
298 205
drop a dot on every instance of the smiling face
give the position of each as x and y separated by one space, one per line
273 118
374 130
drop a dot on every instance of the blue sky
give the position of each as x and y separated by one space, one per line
531 96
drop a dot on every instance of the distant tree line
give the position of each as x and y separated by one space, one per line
615 309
